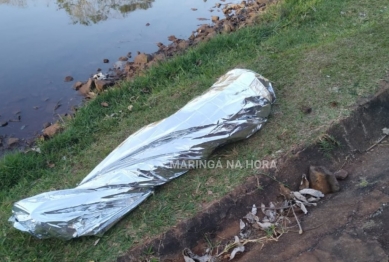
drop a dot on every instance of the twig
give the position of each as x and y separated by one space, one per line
60 117
298 222
376 143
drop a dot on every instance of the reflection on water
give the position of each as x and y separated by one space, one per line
87 12
20 3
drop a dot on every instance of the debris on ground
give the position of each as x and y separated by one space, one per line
274 220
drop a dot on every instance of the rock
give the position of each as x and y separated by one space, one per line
215 18
3 124
123 58
142 58
12 141
322 179
227 27
341 174
77 85
105 61
172 38
192 37
69 79
52 130
160 45
86 88
101 85
147 24
183 45
46 125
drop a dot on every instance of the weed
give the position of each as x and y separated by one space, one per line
327 144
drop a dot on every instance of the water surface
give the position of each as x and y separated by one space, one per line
44 41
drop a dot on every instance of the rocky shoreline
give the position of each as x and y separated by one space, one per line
236 16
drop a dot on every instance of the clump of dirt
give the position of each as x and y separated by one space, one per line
348 225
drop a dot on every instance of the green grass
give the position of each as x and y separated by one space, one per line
314 52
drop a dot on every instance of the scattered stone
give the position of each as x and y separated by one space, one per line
194 9
101 85
69 79
2 124
104 104
129 55
172 38
323 180
215 18
218 5
183 45
52 130
341 174
105 61
98 69
123 58
86 88
36 107
160 45
142 58
147 24
12 141
77 85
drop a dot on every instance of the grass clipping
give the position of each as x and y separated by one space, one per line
274 222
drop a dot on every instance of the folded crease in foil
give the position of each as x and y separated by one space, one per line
234 108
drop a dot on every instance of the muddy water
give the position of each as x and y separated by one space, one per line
43 41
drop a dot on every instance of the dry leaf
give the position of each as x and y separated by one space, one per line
239 248
264 225
104 104
242 225
302 207
254 210
299 196
304 182
312 192
50 165
97 241
130 107
263 208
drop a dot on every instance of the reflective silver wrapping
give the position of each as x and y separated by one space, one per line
234 108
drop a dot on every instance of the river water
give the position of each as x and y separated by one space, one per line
43 41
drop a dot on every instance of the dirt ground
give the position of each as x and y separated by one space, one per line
350 225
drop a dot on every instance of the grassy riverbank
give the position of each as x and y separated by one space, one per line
325 55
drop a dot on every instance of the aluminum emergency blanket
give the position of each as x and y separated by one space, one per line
234 108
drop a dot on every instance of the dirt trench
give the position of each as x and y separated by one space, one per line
350 225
